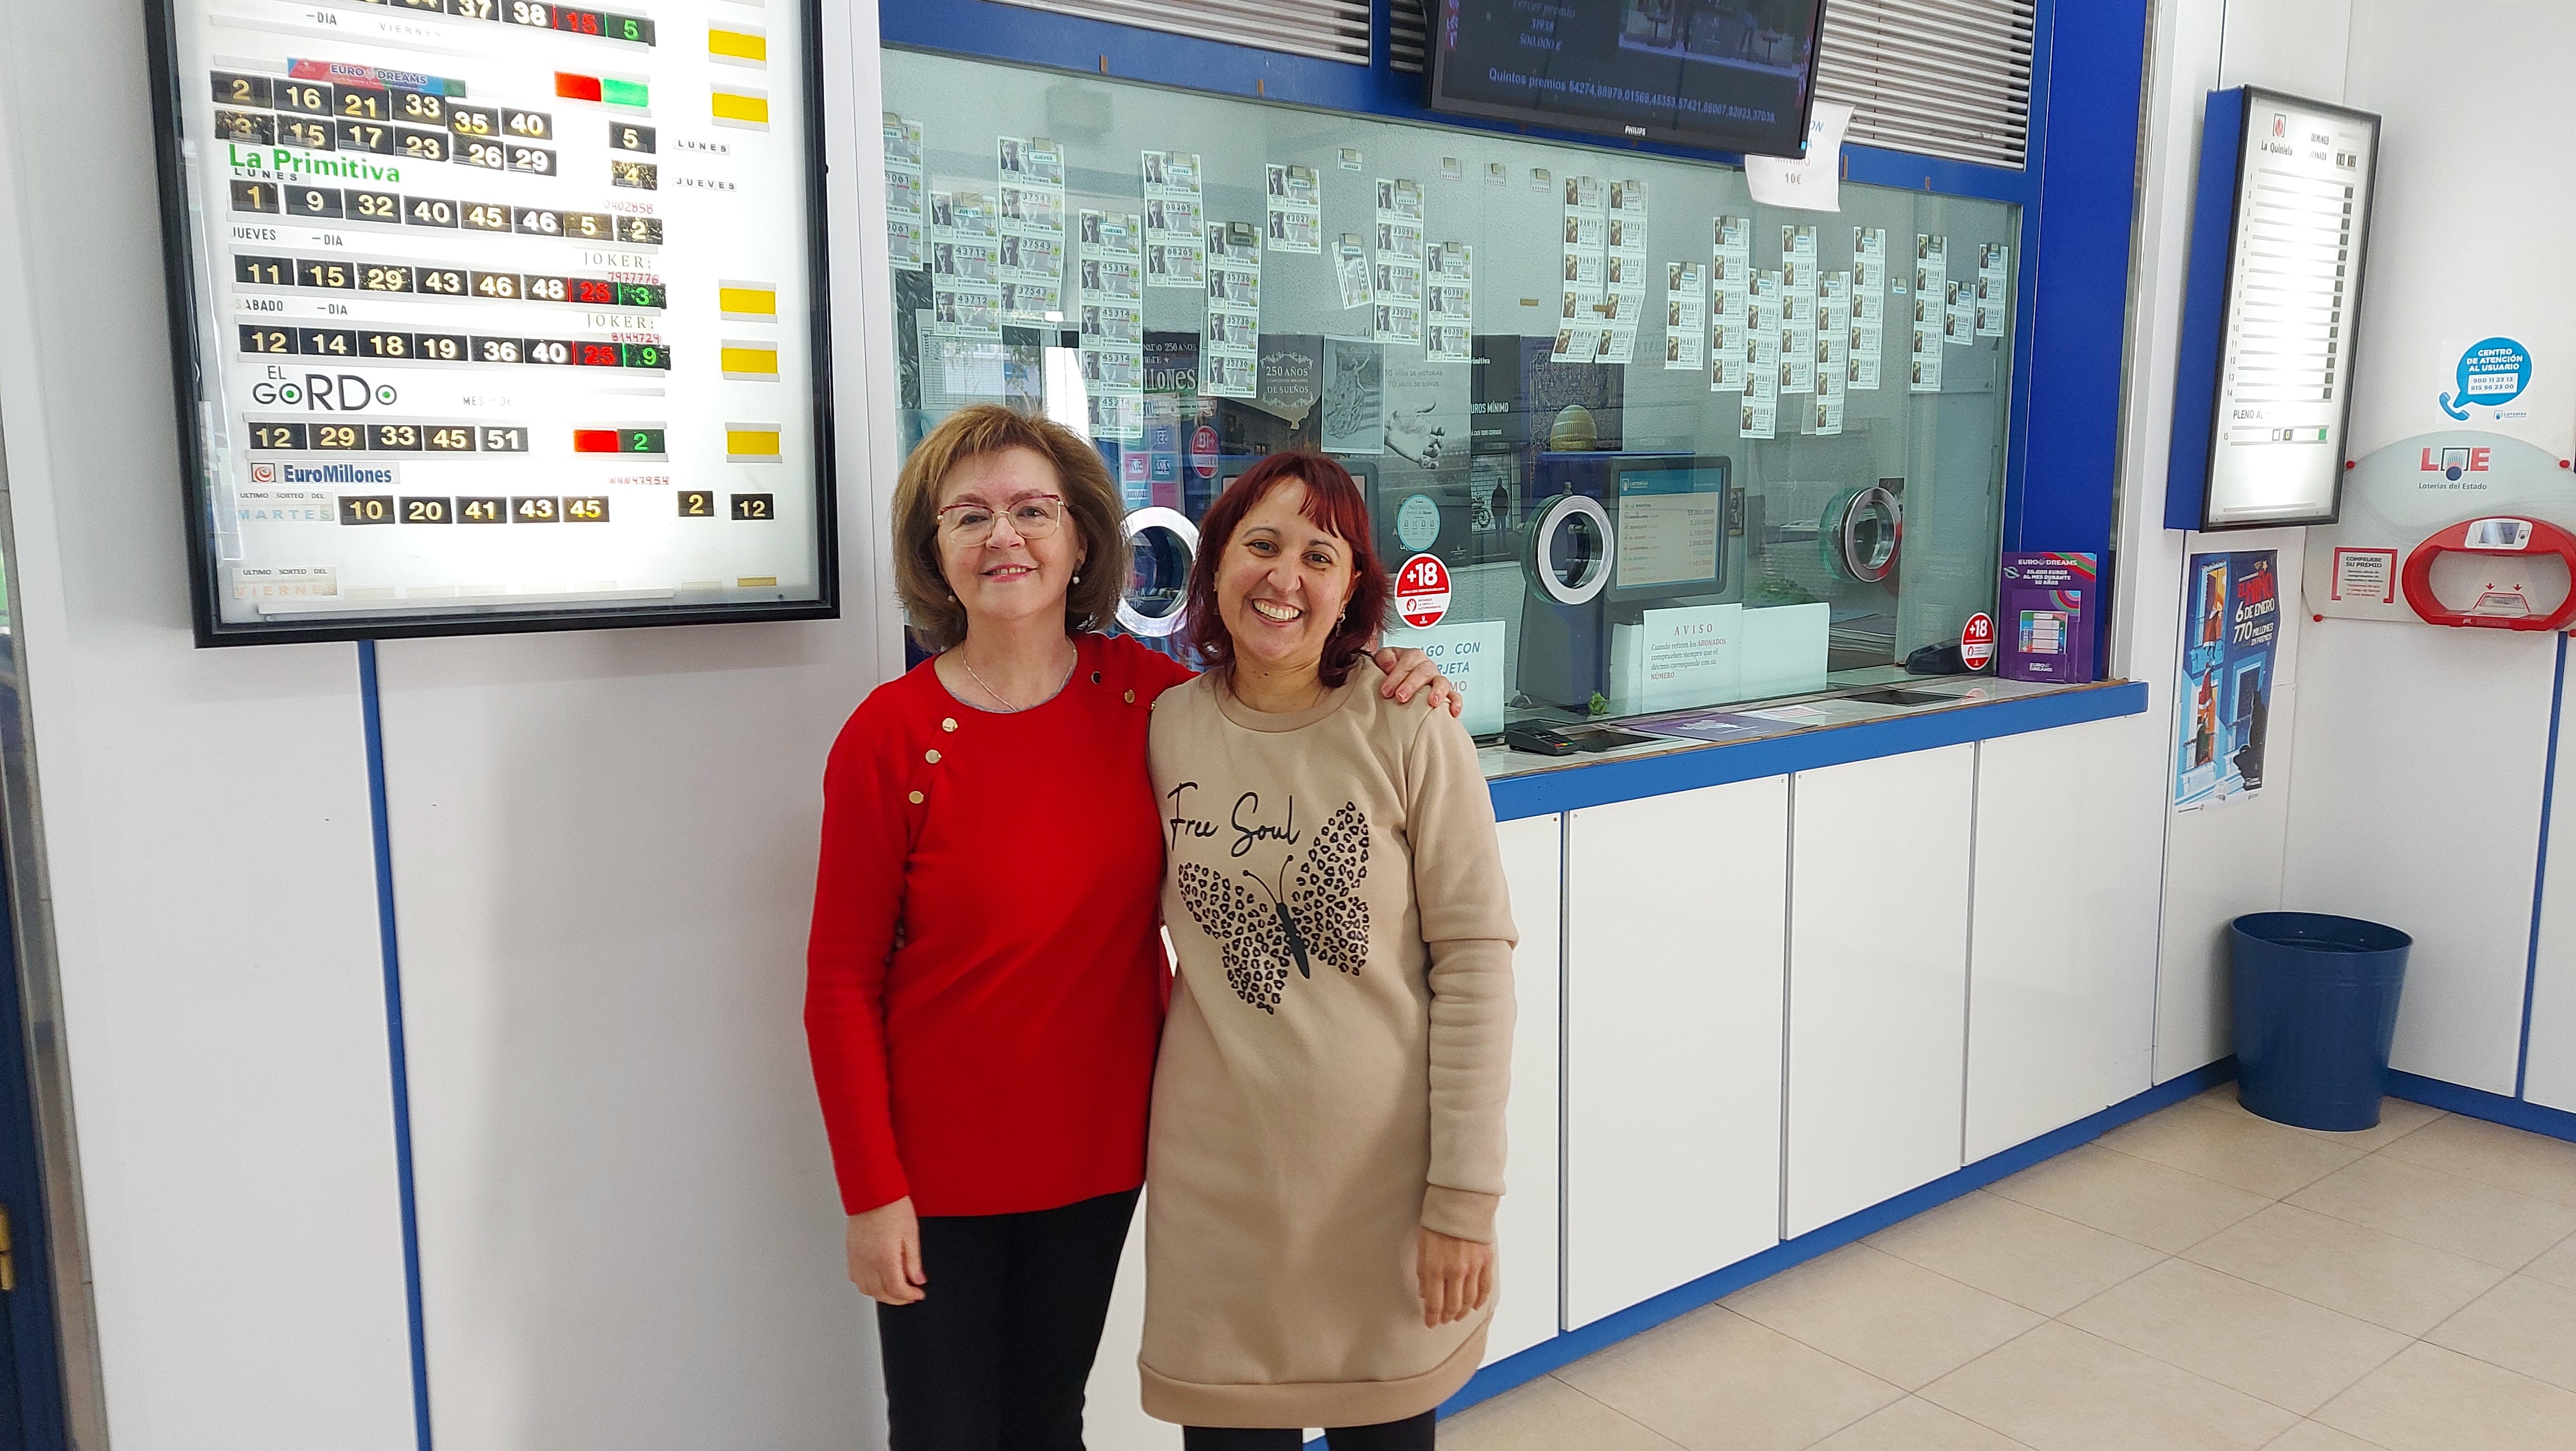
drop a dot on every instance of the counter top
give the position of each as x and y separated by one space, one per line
1799 734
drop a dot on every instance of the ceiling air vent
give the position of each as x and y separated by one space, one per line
1939 77
1325 29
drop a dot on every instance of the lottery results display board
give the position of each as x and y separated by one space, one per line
497 314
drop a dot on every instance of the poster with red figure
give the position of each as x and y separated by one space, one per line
2230 628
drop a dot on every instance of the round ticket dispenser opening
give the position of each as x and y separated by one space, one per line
1161 543
1572 549
2501 572
1862 530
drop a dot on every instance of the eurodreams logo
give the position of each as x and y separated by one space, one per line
293 473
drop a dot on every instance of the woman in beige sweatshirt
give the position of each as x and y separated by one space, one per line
1326 1149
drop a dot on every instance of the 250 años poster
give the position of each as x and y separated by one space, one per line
2231 626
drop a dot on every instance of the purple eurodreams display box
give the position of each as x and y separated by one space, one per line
2046 604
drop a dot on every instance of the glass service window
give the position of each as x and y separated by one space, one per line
1670 449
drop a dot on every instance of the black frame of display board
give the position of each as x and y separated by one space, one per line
1435 71
189 324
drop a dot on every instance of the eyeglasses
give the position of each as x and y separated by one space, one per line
1032 516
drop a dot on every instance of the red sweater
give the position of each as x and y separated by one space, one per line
1000 1059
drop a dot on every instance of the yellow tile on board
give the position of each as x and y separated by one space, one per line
740 108
741 45
749 301
740 361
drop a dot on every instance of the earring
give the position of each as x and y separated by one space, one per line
1077 579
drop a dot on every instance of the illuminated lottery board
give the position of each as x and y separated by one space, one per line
496 314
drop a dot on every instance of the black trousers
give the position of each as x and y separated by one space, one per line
1414 1434
994 1355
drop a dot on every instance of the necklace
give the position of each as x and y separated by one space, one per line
1007 706
1318 692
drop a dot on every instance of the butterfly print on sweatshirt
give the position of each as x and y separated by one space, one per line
1318 917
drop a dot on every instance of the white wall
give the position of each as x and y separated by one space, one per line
629 1233
2365 812
2421 809
2550 1069
2401 718
629 1228
2475 99
603 848
2223 861
207 832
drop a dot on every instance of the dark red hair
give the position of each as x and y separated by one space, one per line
1333 502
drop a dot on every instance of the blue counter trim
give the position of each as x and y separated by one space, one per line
1543 792
1573 1345
2540 870
2495 1108
389 944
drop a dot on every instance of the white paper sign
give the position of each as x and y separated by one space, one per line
1815 183
1470 653
1678 658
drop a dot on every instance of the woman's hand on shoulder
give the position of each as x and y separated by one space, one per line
1409 671
885 1253
1455 1276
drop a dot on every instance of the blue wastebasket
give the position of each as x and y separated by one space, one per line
2316 1005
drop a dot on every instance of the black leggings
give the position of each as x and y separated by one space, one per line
1414 1434
994 1355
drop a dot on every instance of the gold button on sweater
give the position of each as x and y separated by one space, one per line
1335 1062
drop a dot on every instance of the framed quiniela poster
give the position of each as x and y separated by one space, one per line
496 314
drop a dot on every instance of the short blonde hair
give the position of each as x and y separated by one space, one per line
1091 501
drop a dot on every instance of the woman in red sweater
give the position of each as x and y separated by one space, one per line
986 975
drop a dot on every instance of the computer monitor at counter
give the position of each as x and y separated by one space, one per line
1670 518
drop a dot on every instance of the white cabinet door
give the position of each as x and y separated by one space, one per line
1675 907
2056 921
1878 979
1526 1228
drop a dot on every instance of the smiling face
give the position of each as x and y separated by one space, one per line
1008 577
1281 585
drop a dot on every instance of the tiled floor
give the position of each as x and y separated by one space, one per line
2201 1278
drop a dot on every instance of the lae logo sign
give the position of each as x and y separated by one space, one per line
2453 462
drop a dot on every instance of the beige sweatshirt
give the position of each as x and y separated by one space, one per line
1334 1066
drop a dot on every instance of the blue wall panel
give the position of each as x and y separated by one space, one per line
2087 159
2204 305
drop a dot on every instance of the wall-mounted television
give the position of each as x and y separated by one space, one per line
1725 75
